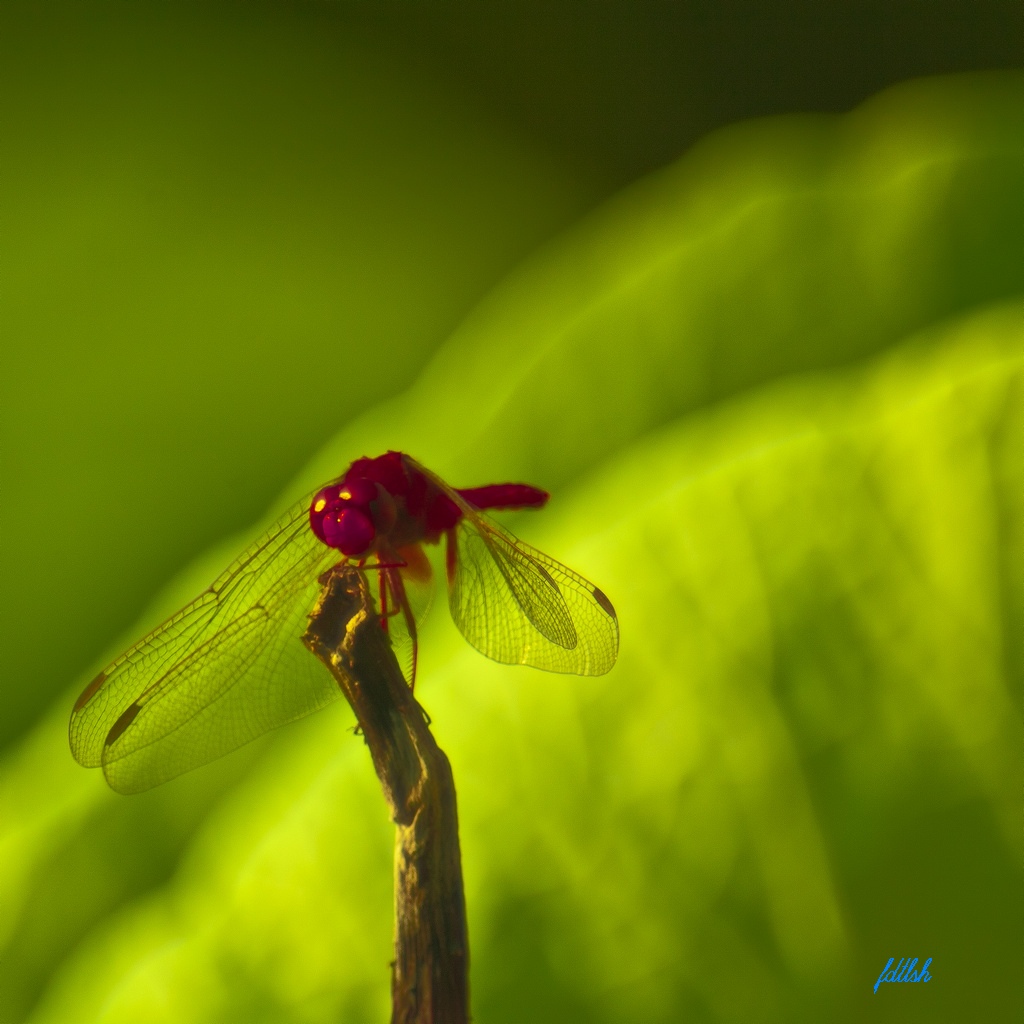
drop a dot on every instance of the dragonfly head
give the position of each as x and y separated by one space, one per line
352 514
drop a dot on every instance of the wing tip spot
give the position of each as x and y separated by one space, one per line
90 691
126 719
602 599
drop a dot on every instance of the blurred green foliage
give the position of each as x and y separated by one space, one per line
223 237
778 393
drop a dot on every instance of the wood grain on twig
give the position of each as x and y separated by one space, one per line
429 981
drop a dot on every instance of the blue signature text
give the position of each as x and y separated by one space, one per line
904 971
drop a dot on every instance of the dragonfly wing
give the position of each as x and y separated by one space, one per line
517 605
222 671
520 607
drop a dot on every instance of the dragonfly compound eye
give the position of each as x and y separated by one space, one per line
357 490
349 530
341 518
323 504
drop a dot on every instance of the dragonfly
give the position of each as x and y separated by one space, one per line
230 665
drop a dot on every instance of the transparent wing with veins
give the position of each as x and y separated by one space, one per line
225 669
519 606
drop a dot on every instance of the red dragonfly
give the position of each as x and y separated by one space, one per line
230 665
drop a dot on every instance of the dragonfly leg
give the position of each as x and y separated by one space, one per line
402 600
384 599
386 575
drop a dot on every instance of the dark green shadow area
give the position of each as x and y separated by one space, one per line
226 233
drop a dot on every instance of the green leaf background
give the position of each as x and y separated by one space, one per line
777 392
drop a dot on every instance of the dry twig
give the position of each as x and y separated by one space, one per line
429 981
